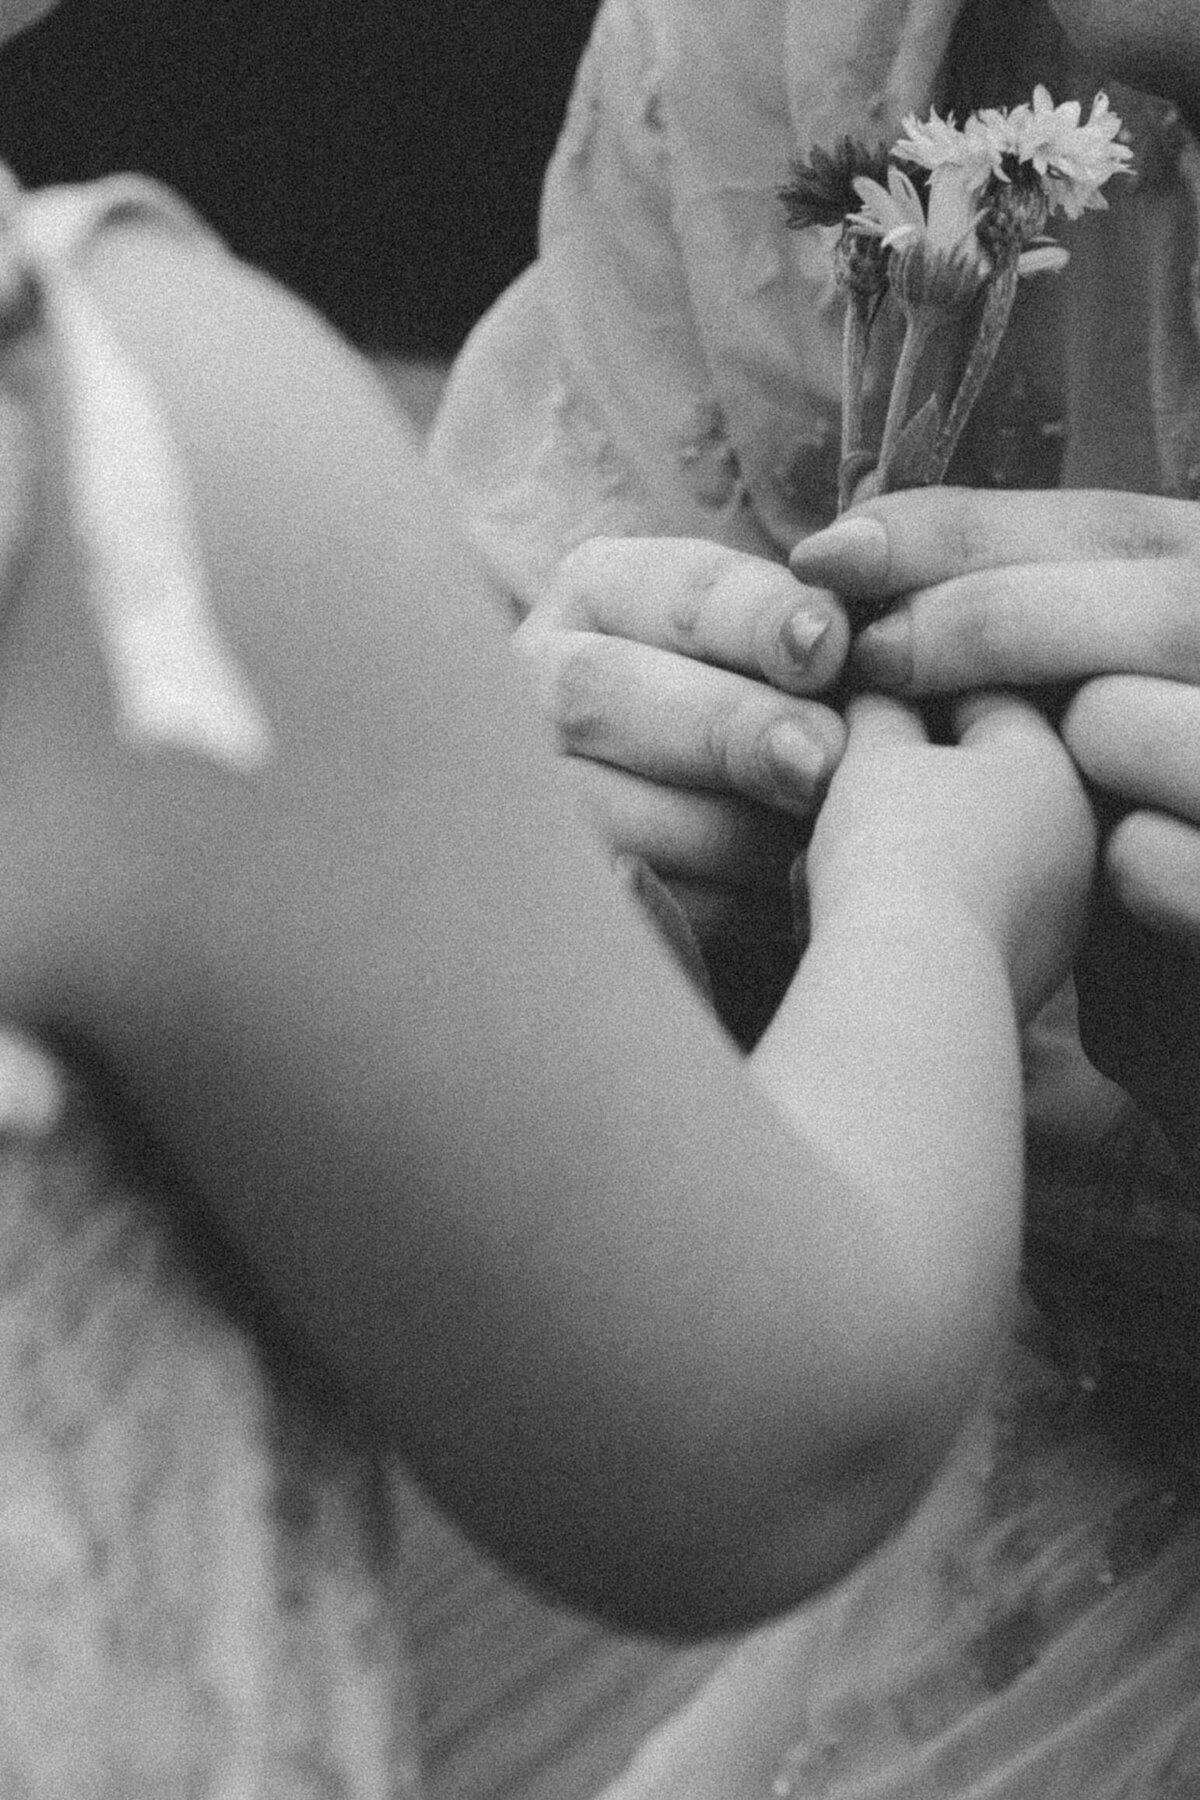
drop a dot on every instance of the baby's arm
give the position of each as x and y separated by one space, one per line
945 892
650 1335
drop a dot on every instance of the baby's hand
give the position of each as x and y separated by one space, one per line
996 826
1096 588
1100 590
675 673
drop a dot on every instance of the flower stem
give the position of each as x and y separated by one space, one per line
856 328
854 359
917 334
997 310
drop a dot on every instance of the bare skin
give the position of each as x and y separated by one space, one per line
385 1009
1051 592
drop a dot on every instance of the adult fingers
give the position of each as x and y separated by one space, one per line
1137 736
1039 622
923 537
684 723
688 836
701 600
1153 864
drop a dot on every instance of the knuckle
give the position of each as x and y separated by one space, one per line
1105 524
977 622
587 578
575 689
963 540
691 602
952 528
685 613
724 745
572 589
1147 539
1138 527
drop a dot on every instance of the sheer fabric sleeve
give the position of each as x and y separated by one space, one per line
671 363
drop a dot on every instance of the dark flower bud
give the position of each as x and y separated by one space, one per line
821 190
1015 210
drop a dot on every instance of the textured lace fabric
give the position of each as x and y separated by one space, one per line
198 1571
1034 1636
127 490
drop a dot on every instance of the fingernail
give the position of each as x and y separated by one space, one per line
884 651
797 764
854 548
802 632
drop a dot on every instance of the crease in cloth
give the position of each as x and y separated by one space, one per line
174 681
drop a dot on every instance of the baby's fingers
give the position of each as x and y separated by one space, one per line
990 718
875 721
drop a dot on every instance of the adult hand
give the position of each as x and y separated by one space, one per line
1099 590
677 675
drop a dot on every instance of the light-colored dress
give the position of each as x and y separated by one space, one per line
671 365
197 1560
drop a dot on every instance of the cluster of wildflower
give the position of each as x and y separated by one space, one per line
946 221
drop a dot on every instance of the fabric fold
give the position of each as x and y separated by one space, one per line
145 587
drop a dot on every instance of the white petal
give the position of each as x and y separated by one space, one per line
1043 259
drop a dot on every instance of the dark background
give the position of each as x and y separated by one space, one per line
382 157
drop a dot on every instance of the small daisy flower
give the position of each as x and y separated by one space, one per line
937 143
1071 160
946 224
938 258
890 212
898 215
1074 160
